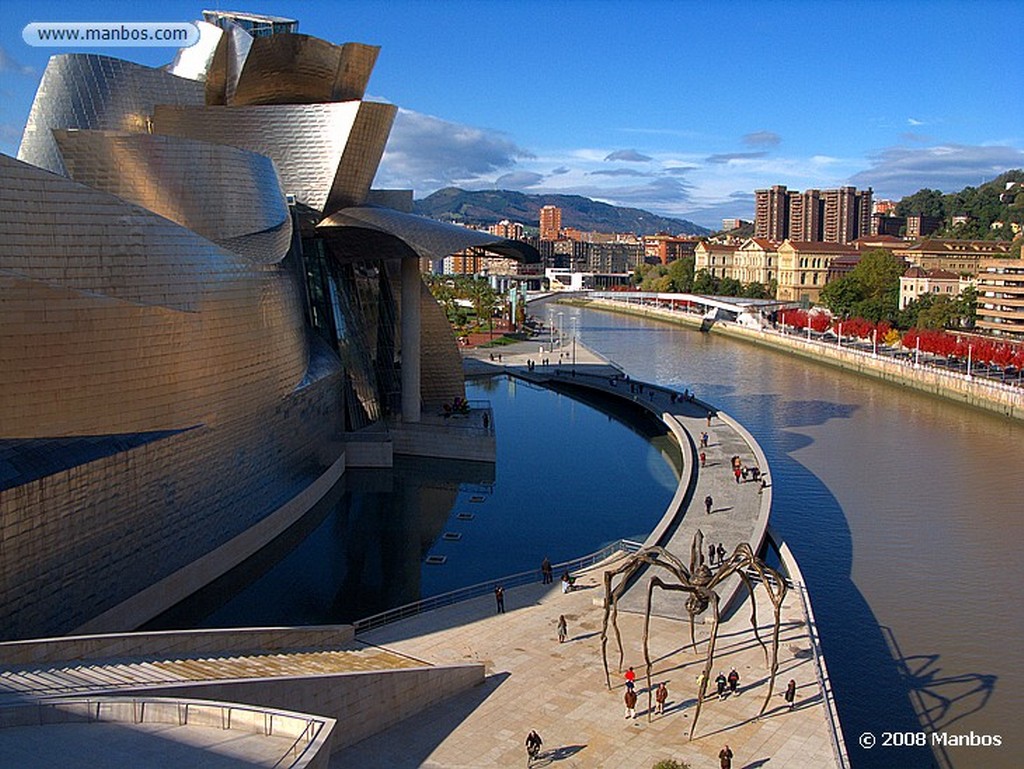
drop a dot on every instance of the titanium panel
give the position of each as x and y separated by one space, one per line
97 92
228 195
305 141
428 238
115 320
193 63
299 69
354 70
362 155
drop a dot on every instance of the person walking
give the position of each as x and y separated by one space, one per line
711 555
720 682
499 598
630 700
725 757
737 471
703 457
563 630
533 743
630 679
545 570
734 679
660 695
709 419
721 553
791 693
708 502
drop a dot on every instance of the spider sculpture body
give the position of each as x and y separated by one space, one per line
701 584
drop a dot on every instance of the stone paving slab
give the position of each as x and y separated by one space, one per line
533 682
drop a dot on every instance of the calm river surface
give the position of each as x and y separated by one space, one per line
905 513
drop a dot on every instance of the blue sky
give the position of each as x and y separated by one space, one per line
681 108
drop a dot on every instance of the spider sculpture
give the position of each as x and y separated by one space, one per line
700 583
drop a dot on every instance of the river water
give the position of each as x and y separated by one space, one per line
905 512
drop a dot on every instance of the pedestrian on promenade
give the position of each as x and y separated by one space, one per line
660 695
720 682
711 555
737 471
709 419
725 757
701 678
734 679
703 456
563 630
721 553
791 693
630 679
630 700
499 598
704 440
545 570
708 502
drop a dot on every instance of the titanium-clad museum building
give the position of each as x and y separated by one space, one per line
205 313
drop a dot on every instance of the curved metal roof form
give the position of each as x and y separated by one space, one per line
428 238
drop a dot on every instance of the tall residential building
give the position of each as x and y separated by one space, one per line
550 222
771 213
832 216
1001 297
507 229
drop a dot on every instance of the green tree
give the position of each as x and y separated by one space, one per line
730 287
681 273
842 295
705 283
669 763
924 202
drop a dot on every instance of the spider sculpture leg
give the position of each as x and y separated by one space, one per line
655 582
709 661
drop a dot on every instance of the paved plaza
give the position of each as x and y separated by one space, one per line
533 682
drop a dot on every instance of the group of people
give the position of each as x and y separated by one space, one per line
741 471
716 551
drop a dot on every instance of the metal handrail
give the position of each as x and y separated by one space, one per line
824 682
484 588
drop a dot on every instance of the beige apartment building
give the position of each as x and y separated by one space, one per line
756 260
1001 297
716 258
550 222
958 256
917 281
803 268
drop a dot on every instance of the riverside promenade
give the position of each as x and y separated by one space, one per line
534 682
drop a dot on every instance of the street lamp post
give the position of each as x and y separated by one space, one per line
874 343
839 336
917 353
560 326
575 331
970 350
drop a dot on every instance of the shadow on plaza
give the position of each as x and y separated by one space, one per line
411 742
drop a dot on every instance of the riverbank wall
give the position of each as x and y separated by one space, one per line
978 393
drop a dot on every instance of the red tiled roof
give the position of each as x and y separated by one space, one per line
822 248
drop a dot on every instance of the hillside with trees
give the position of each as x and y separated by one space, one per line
983 205
486 207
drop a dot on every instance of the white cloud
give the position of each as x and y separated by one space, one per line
899 171
762 139
517 180
426 153
628 156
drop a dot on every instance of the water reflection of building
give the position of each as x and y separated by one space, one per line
206 314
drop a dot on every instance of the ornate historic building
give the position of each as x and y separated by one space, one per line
201 305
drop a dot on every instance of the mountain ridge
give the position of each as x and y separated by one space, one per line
485 207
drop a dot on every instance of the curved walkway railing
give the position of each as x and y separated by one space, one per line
485 588
796 578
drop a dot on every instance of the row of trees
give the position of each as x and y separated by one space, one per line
934 341
679 277
484 300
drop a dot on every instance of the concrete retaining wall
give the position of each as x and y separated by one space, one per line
362 703
174 643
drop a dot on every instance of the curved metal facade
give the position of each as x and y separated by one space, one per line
220 192
97 92
166 382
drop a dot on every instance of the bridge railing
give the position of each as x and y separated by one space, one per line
485 588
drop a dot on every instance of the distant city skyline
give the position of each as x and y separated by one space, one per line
680 108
